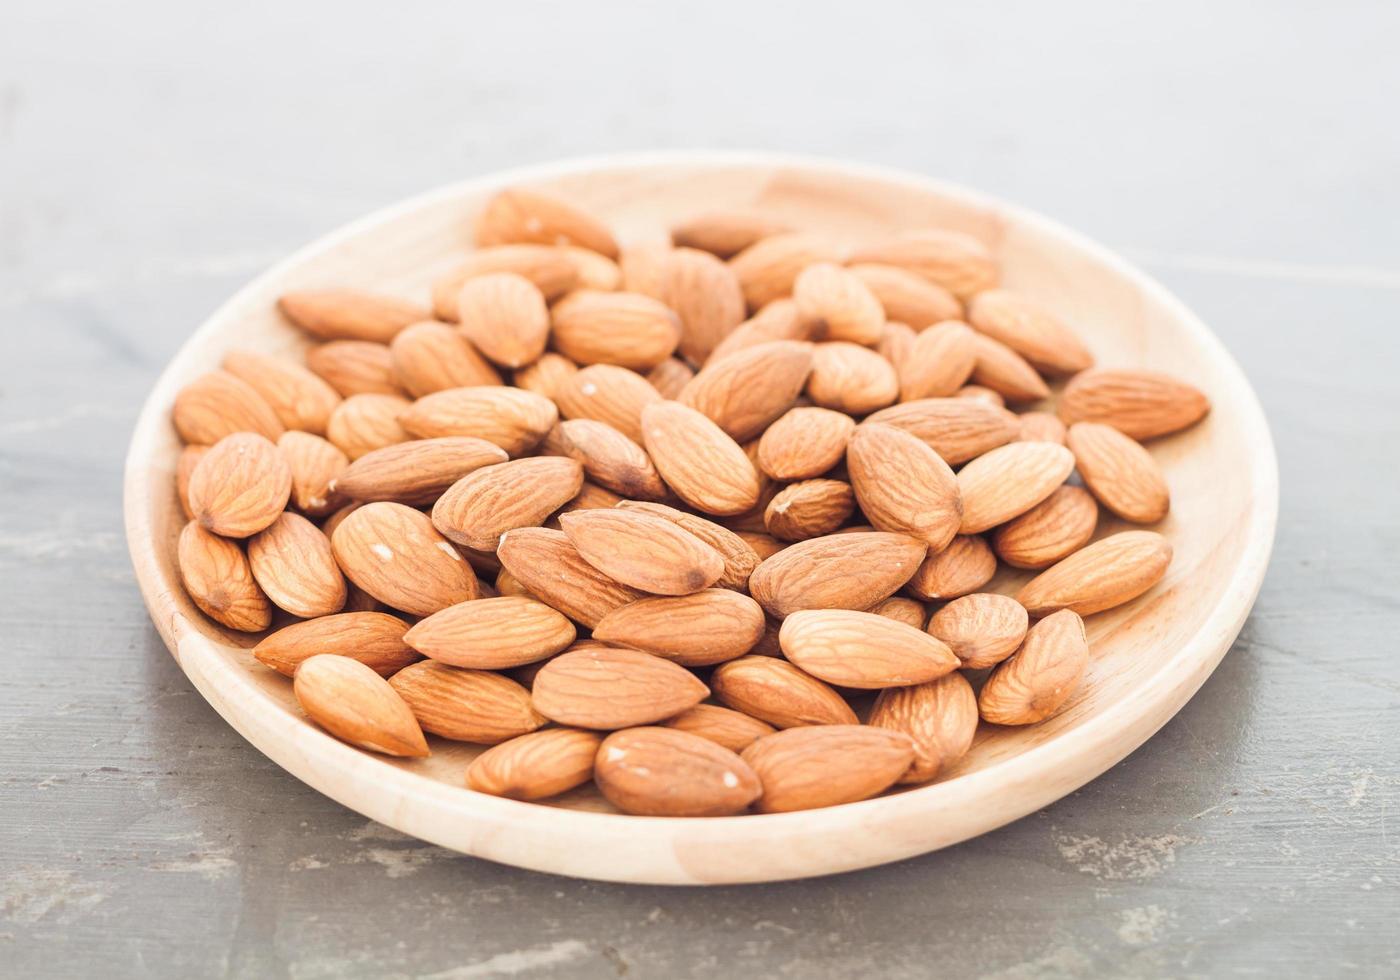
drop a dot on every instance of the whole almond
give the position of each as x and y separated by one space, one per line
1140 404
698 630
809 509
839 571
705 293
395 554
768 268
1119 472
698 460
518 215
646 552
492 634
725 233
353 703
1036 682
184 469
851 379
432 356
778 320
850 648
504 315
292 562
466 705
670 377
216 575
315 465
375 639
416 472
664 772
608 393
739 558
240 486
958 429
939 362
776 692
513 419
734 730
485 504
901 609
300 399
804 443
1010 480
1105 574
626 329
940 717
981 629
745 391
952 259
364 423
536 766
349 314
840 303
1055 528
826 765
355 367
1006 372
963 567
1030 330
595 271
609 688
218 404
550 568
547 376
904 486
608 457
907 297
1042 427
551 269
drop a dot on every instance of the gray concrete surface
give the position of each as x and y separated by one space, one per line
154 155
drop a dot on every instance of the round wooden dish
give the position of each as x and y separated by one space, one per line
1150 656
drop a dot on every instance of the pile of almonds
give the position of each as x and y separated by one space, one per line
702 521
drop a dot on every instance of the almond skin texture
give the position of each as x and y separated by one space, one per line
939 362
958 429
504 315
626 329
536 766
315 465
1105 574
608 457
466 705
594 271
863 650
670 377
550 568
940 717
610 394
355 367
804 443
852 379
415 472
1030 330
432 356
355 704
1042 427
240 486
364 423
395 554
982 629
1119 472
698 460
664 772
548 267
492 634
481 506
768 268
218 404
513 419
725 233
1037 681
292 561
907 297
373 638
739 557
697 630
300 399
646 552
704 292
809 509
778 320
608 688
963 567
1010 480
839 571
547 376
904 486
518 215
744 392
840 303
808 768
734 730
911 612
776 692
1053 529
956 261
218 579
1006 372
349 314
1139 404
644 268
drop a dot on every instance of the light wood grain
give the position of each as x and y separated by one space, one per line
1149 656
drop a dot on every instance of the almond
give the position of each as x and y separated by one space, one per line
513 419
595 271
839 571
551 269
851 379
432 356
589 497
670 377
466 705
804 443
963 567
904 486
217 577
240 486
739 558
643 551
536 766
776 692
778 320
940 717
518 215
349 314
911 612
1105 574
504 315
608 688
952 259
957 429
334 521
1119 472
840 303
355 704
315 464
762 544
745 391
850 648
725 233
1041 427
292 562
663 772
705 294
907 297
734 730
492 634
483 505
1055 528
698 630
184 469
1006 372
1030 330
985 395
809 509
550 568
703 465
1037 681
608 457
547 376
939 362
826 765
364 423
300 399
644 269
626 329
218 404
982 629
395 554
1139 404
375 639
896 343
1010 480
768 268
608 393
355 367
416 472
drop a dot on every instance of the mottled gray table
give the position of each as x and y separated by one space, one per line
155 155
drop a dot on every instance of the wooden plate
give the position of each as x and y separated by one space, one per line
1150 656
